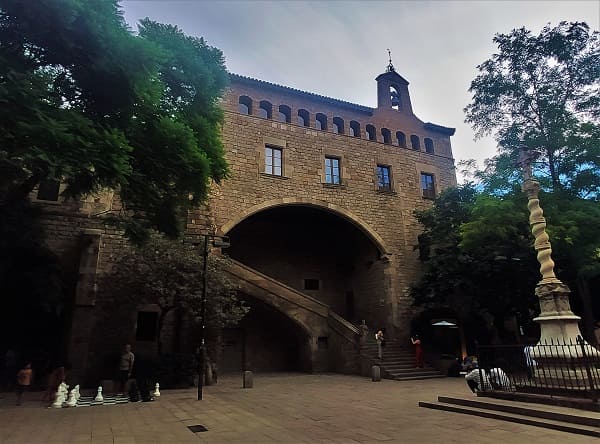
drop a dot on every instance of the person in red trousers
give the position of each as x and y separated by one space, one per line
418 351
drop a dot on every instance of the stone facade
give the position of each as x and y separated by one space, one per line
331 254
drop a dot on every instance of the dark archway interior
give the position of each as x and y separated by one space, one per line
315 252
265 340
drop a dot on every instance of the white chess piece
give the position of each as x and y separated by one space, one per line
156 393
59 399
99 396
72 401
77 394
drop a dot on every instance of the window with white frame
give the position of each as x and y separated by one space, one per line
383 178
332 170
273 160
427 186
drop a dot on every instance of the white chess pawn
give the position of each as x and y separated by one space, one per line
58 401
156 393
99 396
77 394
72 401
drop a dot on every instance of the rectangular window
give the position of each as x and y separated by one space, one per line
383 178
48 190
332 170
147 325
311 284
273 160
427 186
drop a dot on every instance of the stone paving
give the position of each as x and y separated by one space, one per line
281 408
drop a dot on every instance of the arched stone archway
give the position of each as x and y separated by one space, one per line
325 206
320 266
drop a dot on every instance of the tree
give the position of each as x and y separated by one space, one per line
467 265
481 258
169 274
87 103
542 92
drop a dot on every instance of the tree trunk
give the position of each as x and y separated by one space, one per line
587 315
161 322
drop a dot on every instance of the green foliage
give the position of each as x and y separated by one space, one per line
542 92
482 258
86 102
170 274
475 266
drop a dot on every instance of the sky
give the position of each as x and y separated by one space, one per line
336 48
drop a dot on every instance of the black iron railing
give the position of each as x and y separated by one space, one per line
548 368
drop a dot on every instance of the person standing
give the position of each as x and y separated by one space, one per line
56 377
420 360
125 366
380 344
23 381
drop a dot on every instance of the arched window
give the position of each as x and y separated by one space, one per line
371 134
387 136
428 145
338 125
354 128
265 109
401 137
415 142
245 105
303 117
395 97
321 121
285 114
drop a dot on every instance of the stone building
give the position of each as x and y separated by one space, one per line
319 211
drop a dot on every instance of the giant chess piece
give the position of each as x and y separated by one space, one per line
77 394
156 393
99 397
59 399
134 395
72 401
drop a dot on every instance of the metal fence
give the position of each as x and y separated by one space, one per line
550 368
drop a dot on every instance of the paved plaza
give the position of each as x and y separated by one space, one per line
281 408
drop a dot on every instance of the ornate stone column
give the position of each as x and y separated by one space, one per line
558 324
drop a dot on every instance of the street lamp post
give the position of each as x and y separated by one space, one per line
222 242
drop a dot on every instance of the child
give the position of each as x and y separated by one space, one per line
23 381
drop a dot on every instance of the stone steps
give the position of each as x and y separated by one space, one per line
398 362
565 420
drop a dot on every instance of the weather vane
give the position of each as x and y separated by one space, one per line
390 67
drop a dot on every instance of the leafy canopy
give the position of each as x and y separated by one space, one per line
542 92
86 102
169 274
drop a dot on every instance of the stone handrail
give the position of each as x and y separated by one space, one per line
249 274
343 327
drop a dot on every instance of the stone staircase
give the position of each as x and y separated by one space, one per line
398 361
550 417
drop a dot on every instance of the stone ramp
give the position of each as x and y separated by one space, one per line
549 417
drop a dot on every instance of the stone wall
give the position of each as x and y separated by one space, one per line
384 262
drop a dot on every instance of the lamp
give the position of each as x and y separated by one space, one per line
219 242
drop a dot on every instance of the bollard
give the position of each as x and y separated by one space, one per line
375 373
248 379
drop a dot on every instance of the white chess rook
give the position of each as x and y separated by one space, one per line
99 396
156 393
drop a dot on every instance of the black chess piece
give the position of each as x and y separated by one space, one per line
134 395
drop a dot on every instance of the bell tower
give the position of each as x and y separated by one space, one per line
392 90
